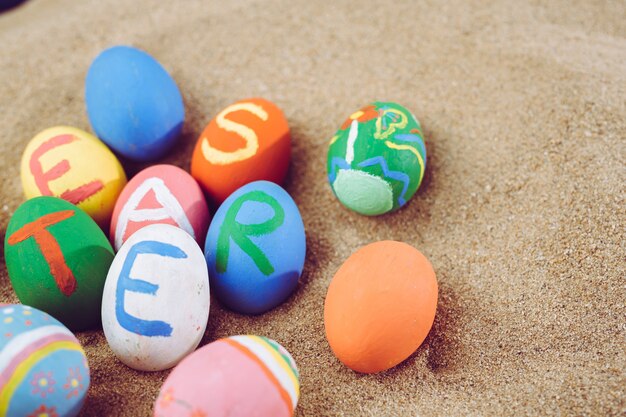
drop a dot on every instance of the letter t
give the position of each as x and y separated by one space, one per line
49 247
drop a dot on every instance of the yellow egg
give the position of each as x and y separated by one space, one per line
74 165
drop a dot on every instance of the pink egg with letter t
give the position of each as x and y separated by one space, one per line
239 376
160 194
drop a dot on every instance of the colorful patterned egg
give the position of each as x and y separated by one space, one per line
160 194
43 368
57 258
155 304
238 376
255 248
133 104
380 306
376 160
247 141
71 164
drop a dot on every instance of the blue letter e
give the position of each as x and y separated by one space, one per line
126 283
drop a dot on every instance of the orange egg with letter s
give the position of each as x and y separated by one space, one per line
380 306
247 141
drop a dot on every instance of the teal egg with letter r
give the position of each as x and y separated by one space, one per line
255 248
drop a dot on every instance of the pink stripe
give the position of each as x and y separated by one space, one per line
7 373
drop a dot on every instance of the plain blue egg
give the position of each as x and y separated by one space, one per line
133 104
255 248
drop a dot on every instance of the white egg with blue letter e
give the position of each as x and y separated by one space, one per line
155 304
255 248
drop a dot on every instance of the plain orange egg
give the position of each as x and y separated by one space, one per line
380 306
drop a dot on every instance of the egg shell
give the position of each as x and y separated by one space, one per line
155 304
43 368
133 104
239 376
380 306
74 165
376 160
57 258
247 141
255 248
160 194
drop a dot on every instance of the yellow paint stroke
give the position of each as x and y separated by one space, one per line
333 140
409 148
25 366
379 134
281 361
356 114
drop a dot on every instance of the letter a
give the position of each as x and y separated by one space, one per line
170 209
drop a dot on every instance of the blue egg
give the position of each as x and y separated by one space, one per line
255 248
43 368
133 104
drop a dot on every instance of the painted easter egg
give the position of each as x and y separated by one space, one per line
376 160
43 368
133 104
239 376
57 258
155 304
74 165
255 248
380 306
247 141
160 194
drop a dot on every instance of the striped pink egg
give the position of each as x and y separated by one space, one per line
237 376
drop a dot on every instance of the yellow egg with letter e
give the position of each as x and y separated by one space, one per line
74 165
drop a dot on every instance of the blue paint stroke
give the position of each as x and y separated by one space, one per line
334 163
410 137
126 283
395 175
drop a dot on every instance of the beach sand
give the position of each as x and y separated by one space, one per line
521 211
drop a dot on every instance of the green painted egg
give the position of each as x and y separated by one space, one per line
58 259
376 160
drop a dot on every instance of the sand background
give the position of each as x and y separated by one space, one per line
521 211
